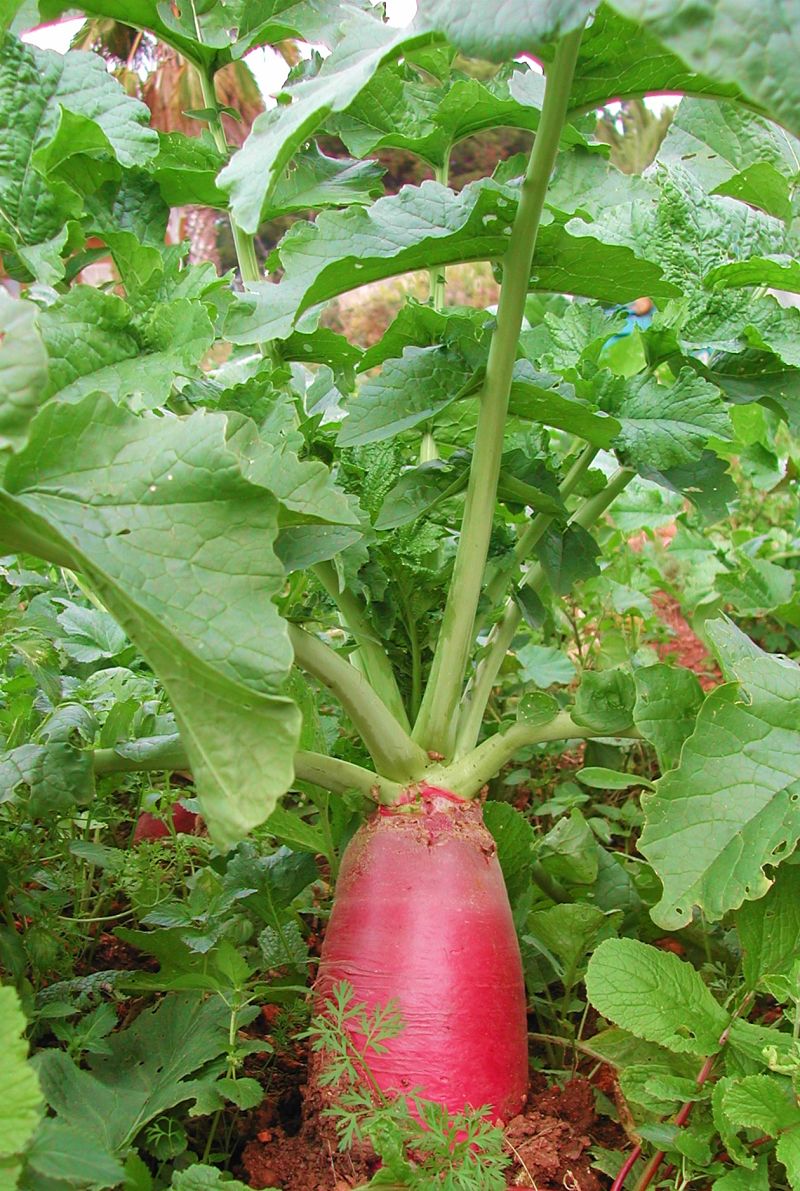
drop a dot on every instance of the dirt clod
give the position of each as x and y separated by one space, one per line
549 1144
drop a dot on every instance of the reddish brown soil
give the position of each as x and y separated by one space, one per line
289 1148
550 1140
685 647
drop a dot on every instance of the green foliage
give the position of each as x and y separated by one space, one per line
194 468
646 992
419 1142
22 1098
721 858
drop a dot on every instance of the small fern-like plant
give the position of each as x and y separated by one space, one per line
420 1144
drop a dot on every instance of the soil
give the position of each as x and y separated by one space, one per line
287 1144
685 647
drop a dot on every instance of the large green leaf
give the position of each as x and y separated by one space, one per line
606 68
484 31
767 1104
186 169
774 328
732 805
130 216
177 544
756 375
396 110
668 699
23 369
720 47
93 344
362 44
664 426
604 701
425 226
769 930
211 35
20 1097
756 586
779 271
57 771
305 487
72 1157
515 841
413 389
314 181
147 1071
38 90
538 397
734 152
648 992
689 233
752 47
420 489
302 546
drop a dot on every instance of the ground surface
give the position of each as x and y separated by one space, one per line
286 1145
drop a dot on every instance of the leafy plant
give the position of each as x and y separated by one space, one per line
240 550
418 1142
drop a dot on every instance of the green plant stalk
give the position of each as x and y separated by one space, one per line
437 283
378 669
466 776
416 663
233 1028
395 754
470 773
436 721
436 275
534 531
501 636
374 661
242 242
428 450
338 777
568 1044
328 772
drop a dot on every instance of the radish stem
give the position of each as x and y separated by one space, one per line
435 727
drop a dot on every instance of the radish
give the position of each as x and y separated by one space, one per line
184 822
421 915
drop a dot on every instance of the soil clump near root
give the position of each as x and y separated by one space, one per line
548 1143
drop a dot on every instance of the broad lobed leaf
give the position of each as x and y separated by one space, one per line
731 805
176 542
425 226
39 90
361 45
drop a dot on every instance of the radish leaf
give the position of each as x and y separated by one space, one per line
731 806
647 992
